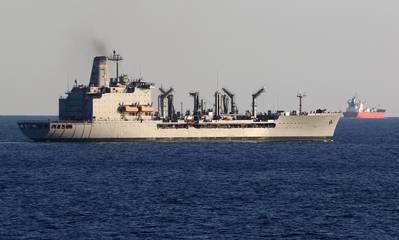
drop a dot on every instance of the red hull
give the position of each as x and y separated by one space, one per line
364 115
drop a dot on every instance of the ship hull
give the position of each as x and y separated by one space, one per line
364 115
321 126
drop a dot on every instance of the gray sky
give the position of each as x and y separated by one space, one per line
328 49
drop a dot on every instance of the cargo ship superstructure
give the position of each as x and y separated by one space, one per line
121 109
358 109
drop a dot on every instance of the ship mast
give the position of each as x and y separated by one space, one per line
115 57
300 96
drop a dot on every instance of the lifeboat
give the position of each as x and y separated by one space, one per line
130 109
146 109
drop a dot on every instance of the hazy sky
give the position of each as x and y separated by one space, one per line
328 49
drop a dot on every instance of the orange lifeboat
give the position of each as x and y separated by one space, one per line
130 109
190 122
146 109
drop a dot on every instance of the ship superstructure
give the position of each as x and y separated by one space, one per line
358 109
121 109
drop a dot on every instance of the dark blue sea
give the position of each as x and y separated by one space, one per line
346 189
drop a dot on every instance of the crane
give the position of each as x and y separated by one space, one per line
231 95
195 96
254 97
218 105
161 101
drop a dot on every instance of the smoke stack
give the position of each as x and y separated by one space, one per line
99 72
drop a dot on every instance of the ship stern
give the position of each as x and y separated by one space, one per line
35 130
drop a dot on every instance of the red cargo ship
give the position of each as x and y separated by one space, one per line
357 109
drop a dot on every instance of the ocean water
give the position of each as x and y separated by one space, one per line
346 189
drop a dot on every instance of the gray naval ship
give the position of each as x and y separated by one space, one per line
121 109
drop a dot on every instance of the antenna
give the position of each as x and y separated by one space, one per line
300 96
68 81
217 80
140 72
